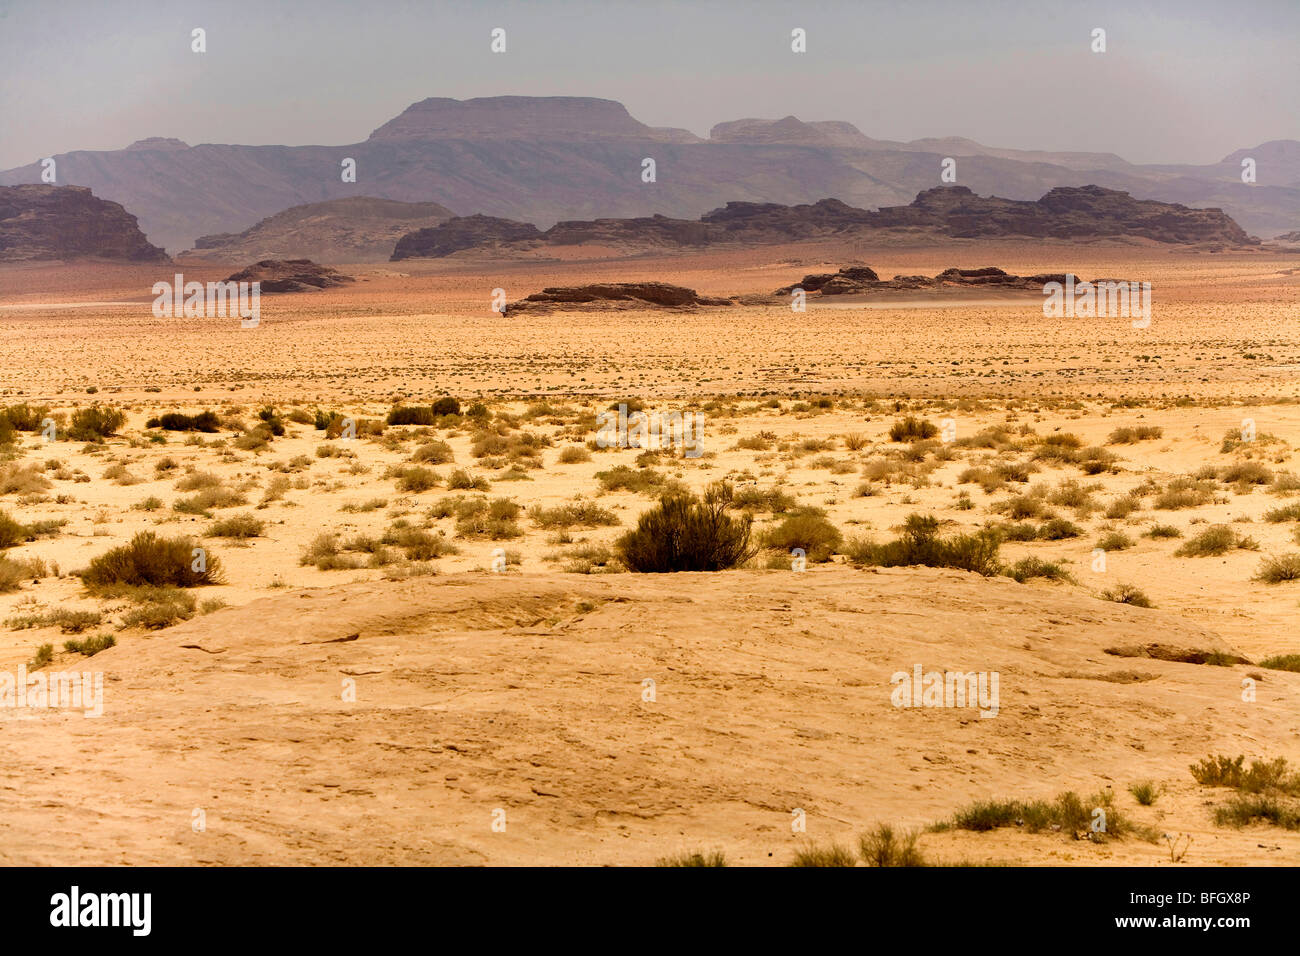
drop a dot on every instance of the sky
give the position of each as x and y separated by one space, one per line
1180 82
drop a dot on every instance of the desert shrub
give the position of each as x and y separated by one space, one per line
91 645
12 575
25 418
1261 777
1121 508
1126 594
912 429
1128 435
1184 493
1114 541
1027 568
161 607
412 415
883 847
237 526
18 479
151 560
1164 531
576 514
920 544
207 500
325 554
1289 512
830 855
433 453
1282 662
1058 529
573 454
1245 473
1067 813
806 529
66 620
1019 507
1279 569
11 532
418 545
446 406
1145 792
496 521
686 533
715 858
1213 541
753 498
1245 809
623 478
44 654
415 479
95 423
205 421
460 479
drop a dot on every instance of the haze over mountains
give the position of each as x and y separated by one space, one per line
545 159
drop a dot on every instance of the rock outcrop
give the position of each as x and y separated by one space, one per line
68 222
614 295
356 229
462 232
1079 213
861 280
291 275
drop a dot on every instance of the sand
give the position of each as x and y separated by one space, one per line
521 691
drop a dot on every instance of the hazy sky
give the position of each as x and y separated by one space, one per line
1184 81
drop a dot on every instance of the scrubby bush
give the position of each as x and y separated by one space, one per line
807 529
95 423
920 544
912 429
687 533
205 421
152 560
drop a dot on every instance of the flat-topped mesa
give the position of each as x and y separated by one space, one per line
291 275
860 280
614 295
69 222
530 118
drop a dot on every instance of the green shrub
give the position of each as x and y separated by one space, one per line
205 421
808 530
11 532
1279 569
1126 594
237 526
1213 541
95 423
412 415
152 560
715 858
686 533
912 429
91 645
830 855
883 847
920 544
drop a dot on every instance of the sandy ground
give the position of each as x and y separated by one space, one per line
522 691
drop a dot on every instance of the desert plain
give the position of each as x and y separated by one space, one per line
424 649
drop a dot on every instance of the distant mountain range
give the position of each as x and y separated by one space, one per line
546 159
1066 212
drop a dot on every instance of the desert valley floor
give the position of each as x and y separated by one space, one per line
483 696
